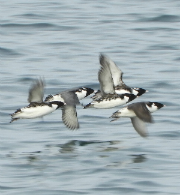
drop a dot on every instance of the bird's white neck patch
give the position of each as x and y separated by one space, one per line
135 91
54 106
81 94
152 108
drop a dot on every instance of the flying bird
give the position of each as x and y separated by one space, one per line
37 107
139 113
71 99
116 74
108 97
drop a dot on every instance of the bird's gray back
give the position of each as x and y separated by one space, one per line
70 98
141 111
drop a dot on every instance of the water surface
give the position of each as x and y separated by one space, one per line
61 42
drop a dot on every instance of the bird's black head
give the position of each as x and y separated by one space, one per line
159 105
89 91
85 89
140 91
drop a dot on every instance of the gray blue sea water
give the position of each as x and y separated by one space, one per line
61 41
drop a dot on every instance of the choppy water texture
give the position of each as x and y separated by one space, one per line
61 41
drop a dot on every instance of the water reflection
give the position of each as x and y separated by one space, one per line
72 145
123 163
139 158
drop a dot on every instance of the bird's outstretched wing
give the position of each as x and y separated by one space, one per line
139 126
69 117
114 69
105 78
36 92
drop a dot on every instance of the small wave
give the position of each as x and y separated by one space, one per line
36 25
59 43
31 16
39 26
8 187
171 134
7 52
161 18
28 78
150 29
162 47
161 84
93 85
119 190
146 183
177 59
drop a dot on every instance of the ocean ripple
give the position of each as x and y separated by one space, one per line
4 52
43 26
161 18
